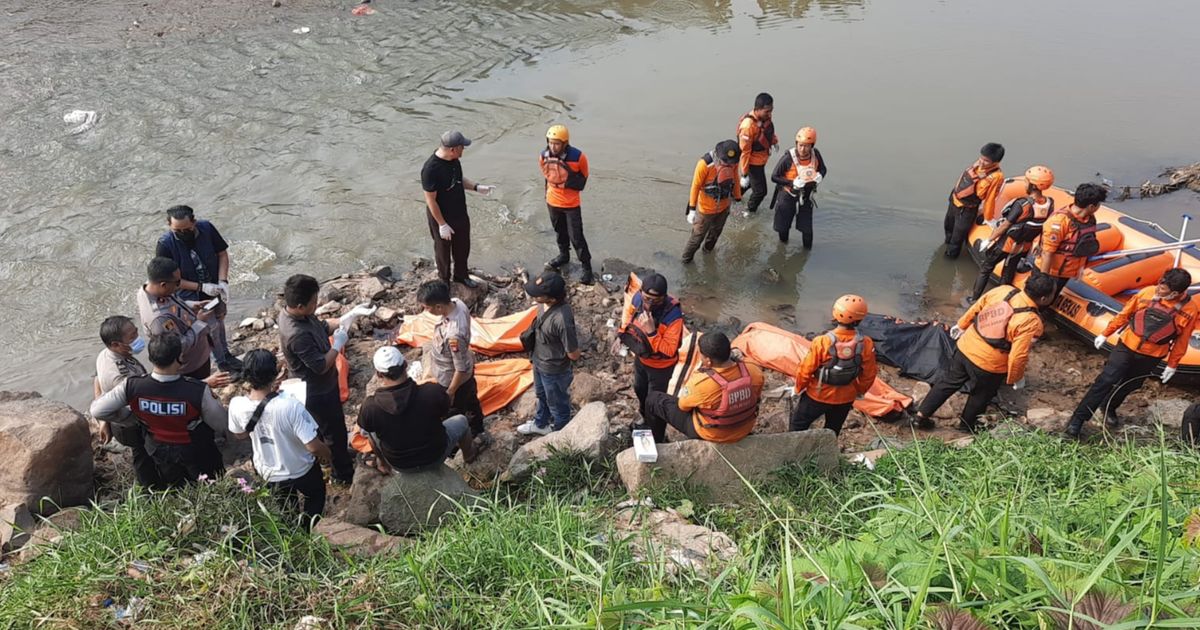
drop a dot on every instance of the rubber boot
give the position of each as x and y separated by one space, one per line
563 257
588 277
1074 429
1112 420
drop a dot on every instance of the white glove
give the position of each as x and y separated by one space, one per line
745 182
1019 384
484 189
1168 372
223 290
340 337
817 178
362 310
209 288
796 394
445 231
691 217
1099 341
955 332
798 183
984 244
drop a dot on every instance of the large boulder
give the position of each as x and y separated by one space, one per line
362 506
708 464
46 450
587 388
586 433
415 499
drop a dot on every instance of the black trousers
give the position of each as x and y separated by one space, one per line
957 373
801 208
310 486
568 228
180 464
1059 284
663 409
992 258
808 410
1123 373
134 437
466 402
458 248
646 380
957 224
758 187
201 372
327 410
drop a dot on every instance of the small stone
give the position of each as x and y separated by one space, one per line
383 272
372 288
492 310
276 3
769 276
329 308
920 390
386 315
270 321
251 322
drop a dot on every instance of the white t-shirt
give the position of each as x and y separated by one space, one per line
279 437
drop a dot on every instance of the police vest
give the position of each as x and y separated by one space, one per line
844 363
738 402
992 321
169 410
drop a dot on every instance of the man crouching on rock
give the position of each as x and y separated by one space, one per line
719 402
403 420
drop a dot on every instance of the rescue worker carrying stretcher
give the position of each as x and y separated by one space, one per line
1155 324
719 402
1069 237
566 171
839 367
756 137
1020 224
715 186
796 177
976 189
994 338
652 329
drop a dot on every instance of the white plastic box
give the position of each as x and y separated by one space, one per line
643 446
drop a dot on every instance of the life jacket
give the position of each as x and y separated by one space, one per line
806 171
965 191
1082 241
844 363
1028 225
1155 323
738 402
558 171
718 181
762 142
643 326
169 410
992 321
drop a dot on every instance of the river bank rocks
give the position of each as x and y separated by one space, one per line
413 500
587 433
46 448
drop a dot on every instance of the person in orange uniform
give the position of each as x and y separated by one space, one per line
756 137
715 187
1156 324
1069 236
719 402
839 367
652 329
976 189
566 171
994 338
796 177
1020 224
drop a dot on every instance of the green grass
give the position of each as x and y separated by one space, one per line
1016 533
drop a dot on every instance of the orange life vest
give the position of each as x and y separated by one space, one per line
1028 225
766 133
558 170
844 363
1082 241
966 190
1155 323
738 402
992 321
718 181
797 169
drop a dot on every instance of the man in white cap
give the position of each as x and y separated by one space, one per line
446 207
404 422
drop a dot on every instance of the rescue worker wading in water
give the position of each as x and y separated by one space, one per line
976 189
839 367
1069 237
1156 324
719 402
715 187
756 137
566 171
652 329
1020 224
796 177
994 338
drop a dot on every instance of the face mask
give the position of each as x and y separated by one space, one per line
138 345
188 237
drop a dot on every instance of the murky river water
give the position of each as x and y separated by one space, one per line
305 149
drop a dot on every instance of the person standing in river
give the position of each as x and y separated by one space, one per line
796 177
203 259
446 208
756 138
715 187
566 171
976 190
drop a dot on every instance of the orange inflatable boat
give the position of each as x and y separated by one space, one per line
1090 301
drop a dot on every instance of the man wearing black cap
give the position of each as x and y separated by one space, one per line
652 329
446 201
555 346
715 187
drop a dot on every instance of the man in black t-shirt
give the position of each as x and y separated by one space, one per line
446 207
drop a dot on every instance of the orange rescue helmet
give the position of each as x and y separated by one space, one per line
806 135
849 309
558 132
1040 176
